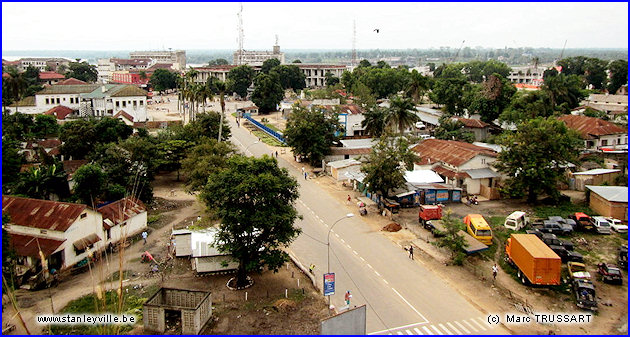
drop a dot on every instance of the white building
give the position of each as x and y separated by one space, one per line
351 117
108 99
122 219
608 103
42 62
256 58
527 75
199 245
598 134
219 72
106 67
176 57
316 73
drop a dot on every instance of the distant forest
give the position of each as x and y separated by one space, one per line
409 57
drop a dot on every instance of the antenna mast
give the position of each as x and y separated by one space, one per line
240 36
354 43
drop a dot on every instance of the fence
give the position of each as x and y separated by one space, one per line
267 130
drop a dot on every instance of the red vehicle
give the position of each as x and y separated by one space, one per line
429 212
582 220
610 273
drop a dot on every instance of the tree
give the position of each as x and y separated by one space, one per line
268 92
374 121
490 98
218 62
527 105
254 198
109 129
565 91
82 71
78 138
311 132
536 155
89 183
162 79
595 72
269 65
451 129
13 87
17 126
43 181
387 163
31 77
45 126
296 61
331 79
417 85
209 124
618 75
171 153
401 114
448 89
364 64
241 78
291 77
219 88
11 163
204 159
8 254
363 96
452 239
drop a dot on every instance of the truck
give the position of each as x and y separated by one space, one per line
517 221
582 220
429 212
550 226
478 228
535 263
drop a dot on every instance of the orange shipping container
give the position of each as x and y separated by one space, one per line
534 259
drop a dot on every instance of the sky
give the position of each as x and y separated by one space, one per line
327 25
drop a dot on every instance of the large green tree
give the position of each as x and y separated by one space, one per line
78 138
268 92
536 156
291 77
13 87
11 163
254 198
269 65
162 79
374 121
448 89
204 159
171 153
17 126
311 132
241 78
527 105
45 126
618 75
417 86
451 129
82 71
490 98
401 114
218 62
90 183
565 91
452 239
108 130
43 181
386 165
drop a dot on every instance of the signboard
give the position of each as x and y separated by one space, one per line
457 196
441 195
329 284
429 197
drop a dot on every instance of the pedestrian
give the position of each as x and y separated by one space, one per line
495 271
144 237
311 268
348 297
276 154
349 199
411 252
305 176
303 169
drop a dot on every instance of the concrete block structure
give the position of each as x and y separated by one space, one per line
609 201
193 306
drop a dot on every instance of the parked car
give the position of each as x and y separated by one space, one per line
577 271
549 226
610 273
601 225
617 225
562 220
622 257
551 239
516 221
567 255
585 294
582 220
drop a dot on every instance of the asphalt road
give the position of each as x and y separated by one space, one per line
402 297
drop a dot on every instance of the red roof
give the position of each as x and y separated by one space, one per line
60 111
449 151
71 81
44 214
441 170
6 75
337 151
124 114
472 123
71 166
27 245
352 109
590 127
121 210
50 75
49 143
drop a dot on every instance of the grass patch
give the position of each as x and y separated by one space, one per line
273 127
116 275
267 139
563 210
153 218
233 114
499 236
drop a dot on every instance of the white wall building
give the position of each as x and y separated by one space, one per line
176 57
316 73
108 99
256 58
122 219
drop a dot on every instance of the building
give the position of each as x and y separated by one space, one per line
107 67
175 57
598 134
50 77
316 73
61 112
256 58
351 149
595 177
108 99
337 169
192 309
527 75
460 164
608 103
480 129
199 246
42 63
609 201
129 77
66 95
122 219
351 117
219 72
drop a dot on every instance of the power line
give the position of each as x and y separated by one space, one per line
322 242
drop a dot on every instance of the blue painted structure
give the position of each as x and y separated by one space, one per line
267 130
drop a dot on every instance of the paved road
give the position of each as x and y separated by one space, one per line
402 296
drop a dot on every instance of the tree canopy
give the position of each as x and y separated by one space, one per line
291 77
618 75
241 78
254 198
218 62
82 71
162 79
268 92
311 132
202 160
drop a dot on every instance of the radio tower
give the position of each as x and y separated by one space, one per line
354 44
239 60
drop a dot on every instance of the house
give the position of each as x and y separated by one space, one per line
125 117
26 105
52 96
598 134
61 112
460 164
595 177
480 129
175 57
351 117
122 219
609 201
351 149
50 77
337 169
70 167
607 103
66 232
50 146
251 110
199 246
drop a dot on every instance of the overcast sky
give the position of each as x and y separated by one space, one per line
140 26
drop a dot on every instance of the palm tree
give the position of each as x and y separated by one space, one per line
17 86
400 113
374 121
220 88
417 86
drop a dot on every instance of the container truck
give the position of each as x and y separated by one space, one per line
535 262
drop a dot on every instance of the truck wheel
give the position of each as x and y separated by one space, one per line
524 280
519 274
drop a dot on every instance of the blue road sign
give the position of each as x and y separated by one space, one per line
329 284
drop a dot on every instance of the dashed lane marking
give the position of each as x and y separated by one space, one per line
445 329
453 328
417 331
470 325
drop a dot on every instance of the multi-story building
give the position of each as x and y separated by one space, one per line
42 62
527 75
256 58
108 99
106 67
220 72
316 73
176 57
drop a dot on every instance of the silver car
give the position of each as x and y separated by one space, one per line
602 226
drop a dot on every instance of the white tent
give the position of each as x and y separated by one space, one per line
422 177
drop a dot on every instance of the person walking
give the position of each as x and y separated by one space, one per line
276 154
349 199
311 269
303 170
495 271
411 252
144 237
347 298
305 176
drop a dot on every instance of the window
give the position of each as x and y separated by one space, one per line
47 101
58 100
124 104
117 104
43 231
108 234
83 215
141 103
604 142
483 160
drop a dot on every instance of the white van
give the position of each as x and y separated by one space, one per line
516 221
602 226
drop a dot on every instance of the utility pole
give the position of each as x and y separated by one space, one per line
241 36
353 63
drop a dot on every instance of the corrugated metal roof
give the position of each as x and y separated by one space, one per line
68 89
27 245
422 177
121 210
50 75
449 173
449 151
44 214
343 163
71 81
358 143
482 173
611 193
472 123
596 172
589 127
337 151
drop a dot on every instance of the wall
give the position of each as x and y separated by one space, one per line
582 180
91 224
69 100
213 263
604 207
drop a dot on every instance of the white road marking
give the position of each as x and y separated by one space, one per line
453 328
342 240
417 331
399 332
481 326
375 272
384 280
470 325
337 235
369 266
484 321
396 328
362 259
463 327
445 329
436 329
355 252
427 330
409 332
409 304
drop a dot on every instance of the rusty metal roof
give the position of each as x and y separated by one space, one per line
449 173
590 127
27 245
44 214
449 151
121 210
337 151
472 123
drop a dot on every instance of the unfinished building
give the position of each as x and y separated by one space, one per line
188 309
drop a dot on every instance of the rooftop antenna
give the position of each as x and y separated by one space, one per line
277 40
240 36
354 43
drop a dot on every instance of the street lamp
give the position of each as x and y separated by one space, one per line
349 215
